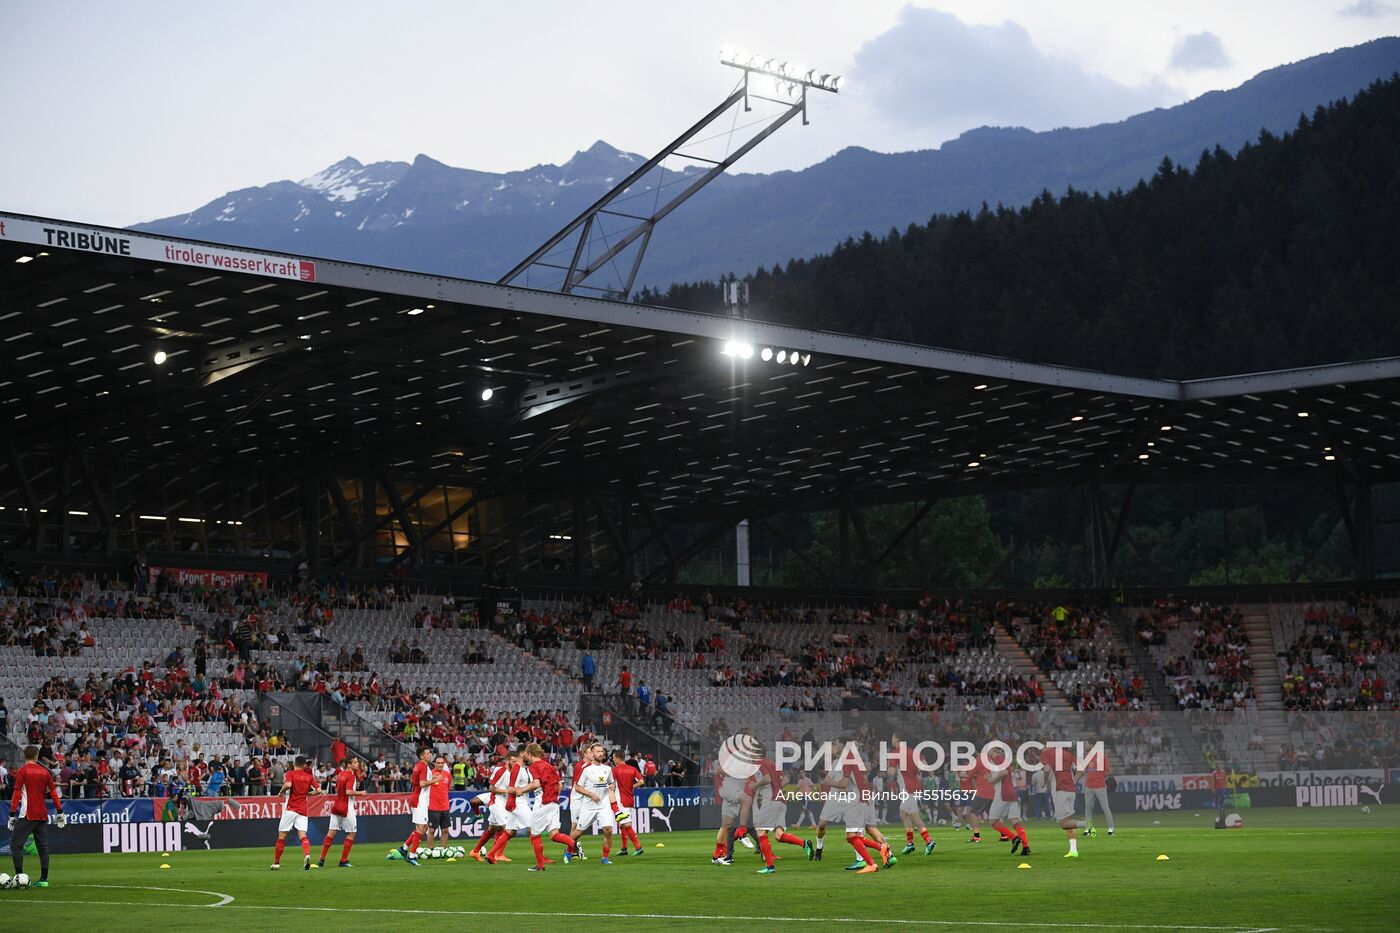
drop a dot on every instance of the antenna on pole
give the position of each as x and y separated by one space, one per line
612 235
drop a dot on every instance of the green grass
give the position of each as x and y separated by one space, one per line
1286 870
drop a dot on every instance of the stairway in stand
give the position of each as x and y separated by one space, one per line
1022 664
1268 685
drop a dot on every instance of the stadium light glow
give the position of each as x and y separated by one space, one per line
792 357
766 354
806 359
486 394
1077 418
782 356
979 387
160 357
746 350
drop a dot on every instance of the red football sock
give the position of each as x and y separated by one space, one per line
858 844
501 839
741 832
1005 833
325 848
790 839
720 850
277 851
923 834
411 843
485 838
305 846
909 836
538 844
1021 831
607 846
345 852
766 848
632 834
566 841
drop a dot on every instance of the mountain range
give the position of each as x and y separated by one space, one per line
430 217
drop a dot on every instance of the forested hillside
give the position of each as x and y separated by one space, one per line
1284 254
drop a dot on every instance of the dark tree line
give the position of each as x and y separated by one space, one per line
1286 253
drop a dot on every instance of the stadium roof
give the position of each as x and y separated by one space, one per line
276 361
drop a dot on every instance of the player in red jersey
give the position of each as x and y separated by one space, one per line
627 779
29 813
912 786
860 823
439 802
1095 769
1058 761
298 785
420 789
576 799
495 810
976 775
348 781
515 776
1007 805
770 813
544 780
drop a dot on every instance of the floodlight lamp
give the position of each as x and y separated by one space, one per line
835 83
160 357
746 350
728 54
806 359
486 394
792 357
730 348
782 356
766 354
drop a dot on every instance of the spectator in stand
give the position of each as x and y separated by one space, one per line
624 681
589 668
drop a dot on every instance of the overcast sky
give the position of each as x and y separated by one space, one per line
116 113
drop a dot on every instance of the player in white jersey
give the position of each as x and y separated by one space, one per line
518 819
836 794
597 794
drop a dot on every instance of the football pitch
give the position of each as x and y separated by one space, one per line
1293 870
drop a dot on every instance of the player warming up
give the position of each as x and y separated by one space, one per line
29 813
439 803
298 785
420 790
627 779
1057 761
1095 768
495 811
770 814
347 787
515 809
544 819
1006 808
597 798
911 787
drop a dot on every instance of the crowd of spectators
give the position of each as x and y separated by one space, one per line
1217 672
1337 661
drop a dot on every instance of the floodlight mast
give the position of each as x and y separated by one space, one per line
577 237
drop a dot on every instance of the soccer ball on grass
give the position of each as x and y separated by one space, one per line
5 880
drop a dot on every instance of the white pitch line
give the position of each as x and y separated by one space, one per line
226 904
224 899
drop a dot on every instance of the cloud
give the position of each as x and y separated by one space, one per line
1369 9
1200 51
933 70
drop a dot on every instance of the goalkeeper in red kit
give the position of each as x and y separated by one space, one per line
29 813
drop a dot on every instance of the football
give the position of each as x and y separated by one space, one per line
5 880
21 881
1366 808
